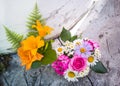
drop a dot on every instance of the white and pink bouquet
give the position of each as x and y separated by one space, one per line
76 56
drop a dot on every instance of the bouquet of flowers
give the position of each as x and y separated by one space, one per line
73 59
76 56
33 49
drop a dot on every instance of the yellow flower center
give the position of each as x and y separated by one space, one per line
71 74
82 50
82 73
59 49
90 59
72 46
78 43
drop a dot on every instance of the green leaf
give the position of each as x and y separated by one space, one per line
31 33
65 35
36 64
49 57
99 68
47 46
73 38
35 15
48 53
13 38
80 36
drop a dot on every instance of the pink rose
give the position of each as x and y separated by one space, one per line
78 63
61 64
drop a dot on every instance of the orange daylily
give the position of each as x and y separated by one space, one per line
42 30
32 43
28 51
27 58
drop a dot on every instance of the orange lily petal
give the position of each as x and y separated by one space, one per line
28 66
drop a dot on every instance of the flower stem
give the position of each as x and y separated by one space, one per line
90 81
60 41
25 77
6 80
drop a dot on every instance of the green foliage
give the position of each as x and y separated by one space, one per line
49 57
66 35
48 45
80 36
48 53
35 15
4 62
73 38
99 68
36 64
13 38
45 47
32 32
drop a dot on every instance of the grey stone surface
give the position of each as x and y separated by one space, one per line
106 30
44 76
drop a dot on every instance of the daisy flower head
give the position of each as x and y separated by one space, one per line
69 45
70 75
84 73
68 48
84 49
91 60
60 50
97 53
77 42
70 53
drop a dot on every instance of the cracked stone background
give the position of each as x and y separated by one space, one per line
104 28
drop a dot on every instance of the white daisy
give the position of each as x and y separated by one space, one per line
60 50
77 42
69 45
97 53
84 73
70 75
70 53
91 60
68 48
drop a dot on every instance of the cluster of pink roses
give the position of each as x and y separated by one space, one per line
63 62
75 58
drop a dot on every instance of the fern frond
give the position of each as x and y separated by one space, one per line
35 33
13 38
35 15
